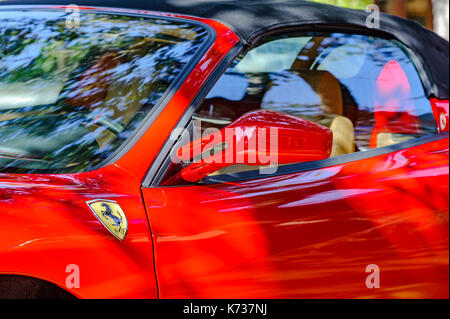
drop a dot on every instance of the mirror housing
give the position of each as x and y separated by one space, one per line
258 138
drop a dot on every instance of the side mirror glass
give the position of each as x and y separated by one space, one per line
258 138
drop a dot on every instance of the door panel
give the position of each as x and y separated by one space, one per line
310 234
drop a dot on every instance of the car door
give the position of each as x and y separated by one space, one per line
370 221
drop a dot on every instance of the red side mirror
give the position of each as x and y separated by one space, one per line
257 138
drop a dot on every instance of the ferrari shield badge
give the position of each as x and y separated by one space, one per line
111 215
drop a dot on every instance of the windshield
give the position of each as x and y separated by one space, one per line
72 93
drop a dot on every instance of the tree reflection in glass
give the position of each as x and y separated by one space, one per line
69 97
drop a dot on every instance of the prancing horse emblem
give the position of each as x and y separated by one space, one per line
111 215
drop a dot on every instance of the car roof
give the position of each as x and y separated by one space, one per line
251 19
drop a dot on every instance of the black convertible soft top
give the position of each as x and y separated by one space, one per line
252 18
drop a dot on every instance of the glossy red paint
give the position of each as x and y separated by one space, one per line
256 138
310 234
47 224
137 161
441 114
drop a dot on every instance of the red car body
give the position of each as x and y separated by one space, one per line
306 234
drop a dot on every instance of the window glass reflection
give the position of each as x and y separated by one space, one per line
69 97
366 89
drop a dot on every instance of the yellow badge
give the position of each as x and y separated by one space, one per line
111 215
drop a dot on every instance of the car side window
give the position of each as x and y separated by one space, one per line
365 89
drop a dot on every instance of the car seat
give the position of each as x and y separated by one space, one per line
315 96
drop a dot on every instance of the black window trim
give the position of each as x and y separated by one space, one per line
335 161
162 161
422 69
311 166
161 164
148 120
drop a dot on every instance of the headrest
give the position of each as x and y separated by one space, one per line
300 89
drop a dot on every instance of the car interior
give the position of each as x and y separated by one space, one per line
308 90
101 96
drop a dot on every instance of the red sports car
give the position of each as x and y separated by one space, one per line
221 149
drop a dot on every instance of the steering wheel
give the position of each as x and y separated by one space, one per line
105 121
24 138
